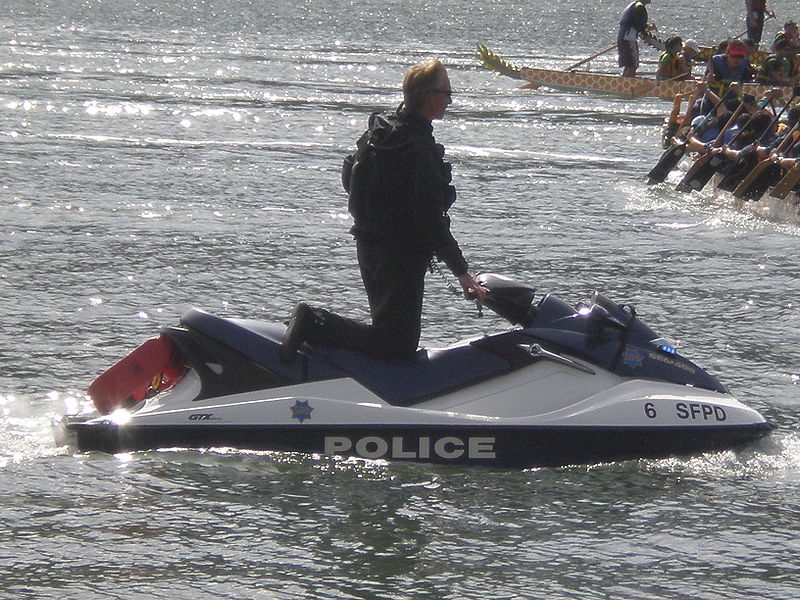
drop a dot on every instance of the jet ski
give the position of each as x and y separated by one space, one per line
568 385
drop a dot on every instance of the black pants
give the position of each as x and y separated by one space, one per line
754 32
394 278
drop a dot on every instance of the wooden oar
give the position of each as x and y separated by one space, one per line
732 172
753 186
700 172
787 183
536 86
644 91
770 16
676 108
672 155
745 164
587 59
674 121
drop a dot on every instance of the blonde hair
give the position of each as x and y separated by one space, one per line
419 80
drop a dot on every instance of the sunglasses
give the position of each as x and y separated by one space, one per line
448 93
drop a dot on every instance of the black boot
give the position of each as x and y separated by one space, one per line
297 331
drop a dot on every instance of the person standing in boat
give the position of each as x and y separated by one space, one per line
400 224
632 25
756 11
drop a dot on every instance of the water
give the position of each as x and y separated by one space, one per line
156 156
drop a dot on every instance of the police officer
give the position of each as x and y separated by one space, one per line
397 235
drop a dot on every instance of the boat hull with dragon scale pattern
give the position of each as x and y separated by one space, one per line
603 83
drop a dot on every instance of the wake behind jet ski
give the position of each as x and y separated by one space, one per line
568 386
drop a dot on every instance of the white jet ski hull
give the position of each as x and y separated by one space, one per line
628 419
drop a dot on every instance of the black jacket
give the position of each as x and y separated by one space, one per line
409 190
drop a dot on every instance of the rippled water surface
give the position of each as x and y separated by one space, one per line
156 156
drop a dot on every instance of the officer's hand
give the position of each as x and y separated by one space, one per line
472 289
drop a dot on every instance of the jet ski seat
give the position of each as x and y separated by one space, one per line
429 373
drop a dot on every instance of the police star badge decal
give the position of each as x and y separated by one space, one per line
301 410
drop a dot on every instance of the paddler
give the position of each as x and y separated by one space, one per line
792 153
778 68
632 25
792 117
671 64
706 128
725 69
760 129
691 53
790 33
761 150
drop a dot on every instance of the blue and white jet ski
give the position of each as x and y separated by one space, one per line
568 386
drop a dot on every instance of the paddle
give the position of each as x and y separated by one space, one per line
787 183
769 16
675 151
588 58
753 186
740 169
675 120
645 91
651 39
701 170
672 155
733 171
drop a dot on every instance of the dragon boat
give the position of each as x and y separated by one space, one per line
706 52
603 83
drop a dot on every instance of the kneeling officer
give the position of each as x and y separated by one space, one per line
399 194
